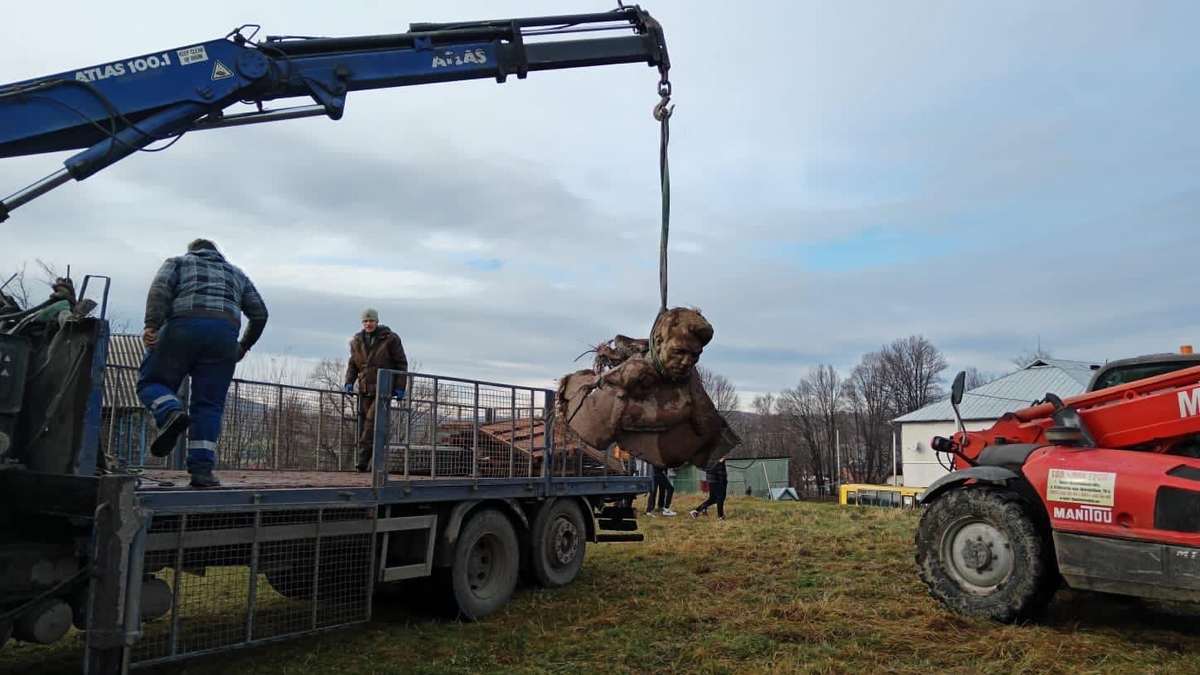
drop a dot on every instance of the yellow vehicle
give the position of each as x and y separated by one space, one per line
895 496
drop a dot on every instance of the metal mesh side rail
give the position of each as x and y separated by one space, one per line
445 428
458 428
266 426
243 578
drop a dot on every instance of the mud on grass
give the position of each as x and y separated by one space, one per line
777 588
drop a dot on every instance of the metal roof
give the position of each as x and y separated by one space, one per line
1080 371
1011 392
125 350
120 379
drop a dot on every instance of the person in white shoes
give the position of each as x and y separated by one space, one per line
665 490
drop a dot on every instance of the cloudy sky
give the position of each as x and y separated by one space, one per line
844 173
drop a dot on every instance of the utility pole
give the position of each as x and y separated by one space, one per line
837 453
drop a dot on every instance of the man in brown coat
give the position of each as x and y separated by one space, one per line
373 348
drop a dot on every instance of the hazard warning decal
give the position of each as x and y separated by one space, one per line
221 71
1081 487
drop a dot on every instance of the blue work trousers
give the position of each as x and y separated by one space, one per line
207 350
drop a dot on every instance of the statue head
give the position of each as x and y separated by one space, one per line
679 336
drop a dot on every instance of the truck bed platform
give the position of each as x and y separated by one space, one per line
170 479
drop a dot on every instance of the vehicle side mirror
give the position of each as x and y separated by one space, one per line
956 390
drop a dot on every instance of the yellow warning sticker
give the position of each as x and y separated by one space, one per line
221 71
1081 487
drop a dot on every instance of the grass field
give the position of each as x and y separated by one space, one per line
781 587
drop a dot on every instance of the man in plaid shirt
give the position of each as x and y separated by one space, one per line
193 315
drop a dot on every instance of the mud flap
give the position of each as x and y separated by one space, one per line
1138 568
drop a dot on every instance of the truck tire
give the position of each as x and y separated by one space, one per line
982 553
483 573
5 632
557 543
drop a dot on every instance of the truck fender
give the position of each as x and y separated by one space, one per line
993 475
449 536
589 518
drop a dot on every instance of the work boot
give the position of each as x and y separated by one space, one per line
177 423
204 478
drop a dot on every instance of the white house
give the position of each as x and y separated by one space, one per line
980 408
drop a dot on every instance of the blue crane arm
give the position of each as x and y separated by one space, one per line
111 110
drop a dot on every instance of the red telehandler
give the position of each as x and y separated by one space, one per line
1099 492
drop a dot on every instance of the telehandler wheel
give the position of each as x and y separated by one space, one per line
486 561
558 543
982 554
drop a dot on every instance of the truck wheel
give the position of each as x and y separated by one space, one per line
5 632
558 543
981 553
483 573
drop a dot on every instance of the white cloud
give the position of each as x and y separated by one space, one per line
926 119
366 282
453 243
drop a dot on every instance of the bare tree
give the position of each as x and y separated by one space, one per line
17 286
871 409
121 325
765 433
764 404
49 271
14 291
720 389
761 431
978 378
328 374
811 410
914 367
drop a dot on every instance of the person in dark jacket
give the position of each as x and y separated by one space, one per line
371 349
649 470
193 315
717 476
665 491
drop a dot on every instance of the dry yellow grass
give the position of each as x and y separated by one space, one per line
778 588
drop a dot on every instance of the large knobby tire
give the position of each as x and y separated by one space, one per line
557 543
487 558
982 553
